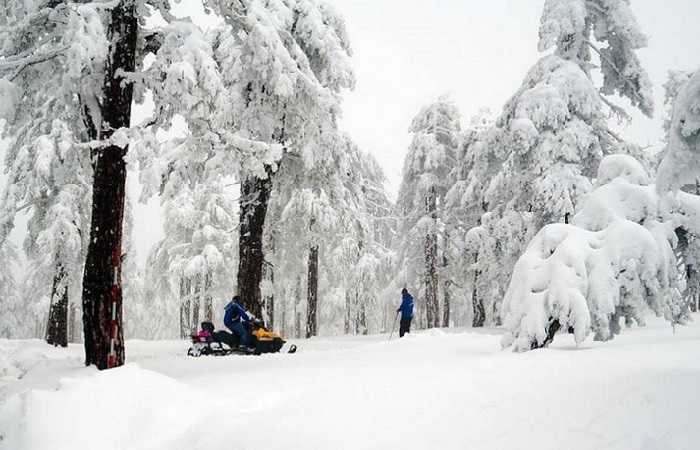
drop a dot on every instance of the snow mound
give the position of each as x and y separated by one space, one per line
136 408
623 167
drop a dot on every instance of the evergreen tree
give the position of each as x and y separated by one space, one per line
431 155
548 142
194 261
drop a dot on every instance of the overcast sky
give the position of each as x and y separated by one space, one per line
409 52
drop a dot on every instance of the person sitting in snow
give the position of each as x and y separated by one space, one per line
238 320
406 310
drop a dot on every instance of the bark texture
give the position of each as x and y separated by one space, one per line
312 297
255 195
57 328
478 310
446 304
102 293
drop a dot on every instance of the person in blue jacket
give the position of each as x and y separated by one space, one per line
237 319
406 310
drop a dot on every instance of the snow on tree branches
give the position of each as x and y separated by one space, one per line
614 262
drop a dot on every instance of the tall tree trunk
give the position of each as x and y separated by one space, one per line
208 302
72 324
196 301
255 195
297 313
283 313
269 276
431 276
57 329
356 312
447 283
479 316
364 329
312 293
185 301
348 311
446 304
102 293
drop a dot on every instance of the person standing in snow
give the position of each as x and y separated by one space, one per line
406 310
237 319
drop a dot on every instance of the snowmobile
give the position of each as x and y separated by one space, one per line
211 342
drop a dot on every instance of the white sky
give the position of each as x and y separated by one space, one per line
409 52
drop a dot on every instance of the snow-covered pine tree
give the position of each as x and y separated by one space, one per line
463 210
333 206
270 73
431 155
49 175
313 209
285 63
368 287
52 177
553 132
194 261
101 44
358 264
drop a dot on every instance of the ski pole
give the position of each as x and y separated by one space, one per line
394 325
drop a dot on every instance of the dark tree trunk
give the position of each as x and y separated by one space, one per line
102 293
446 304
356 312
312 296
362 318
348 312
552 328
447 284
255 195
479 316
57 329
270 300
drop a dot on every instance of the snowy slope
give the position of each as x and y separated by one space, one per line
430 390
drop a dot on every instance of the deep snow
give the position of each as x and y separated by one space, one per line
432 390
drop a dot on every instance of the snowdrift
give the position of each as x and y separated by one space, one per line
129 407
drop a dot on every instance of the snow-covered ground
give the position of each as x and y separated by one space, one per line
432 390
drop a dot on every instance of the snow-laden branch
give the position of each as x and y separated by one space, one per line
20 64
617 71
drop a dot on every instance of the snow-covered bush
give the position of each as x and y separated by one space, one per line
616 260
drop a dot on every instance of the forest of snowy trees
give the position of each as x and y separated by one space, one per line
538 218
